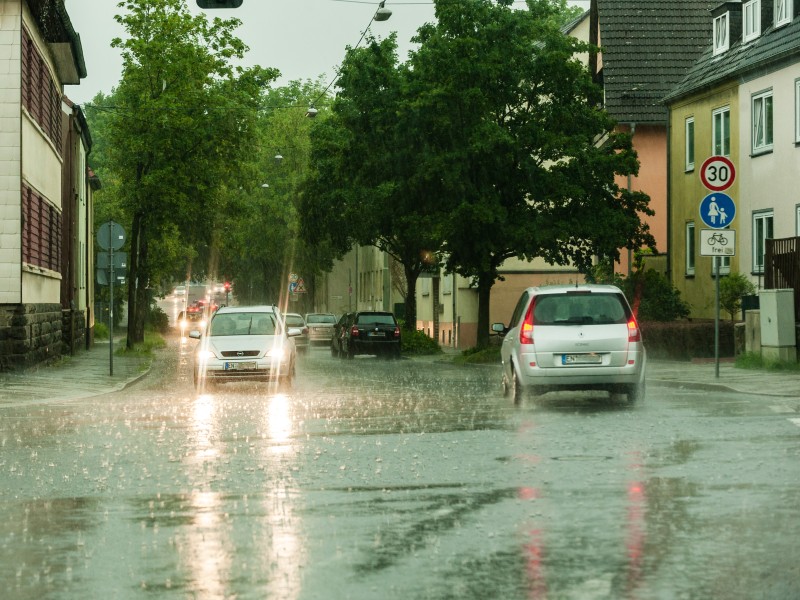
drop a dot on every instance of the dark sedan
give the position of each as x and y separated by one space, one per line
371 332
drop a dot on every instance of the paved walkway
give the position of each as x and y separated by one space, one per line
87 374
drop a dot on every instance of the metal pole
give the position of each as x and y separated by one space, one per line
716 320
111 301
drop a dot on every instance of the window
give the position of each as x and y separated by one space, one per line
724 266
751 23
783 12
721 34
721 125
797 111
762 122
762 231
690 144
690 249
797 220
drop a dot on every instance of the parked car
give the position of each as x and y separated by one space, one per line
570 337
301 342
320 327
338 333
371 332
180 290
245 343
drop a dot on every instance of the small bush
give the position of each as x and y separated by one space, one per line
417 342
754 360
731 290
100 331
157 319
482 356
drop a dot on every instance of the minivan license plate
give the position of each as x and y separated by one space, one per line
581 359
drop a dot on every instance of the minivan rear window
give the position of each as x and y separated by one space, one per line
579 309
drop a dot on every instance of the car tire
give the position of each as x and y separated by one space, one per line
636 392
334 351
350 353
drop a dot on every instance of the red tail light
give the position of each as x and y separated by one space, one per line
397 332
354 331
526 328
634 335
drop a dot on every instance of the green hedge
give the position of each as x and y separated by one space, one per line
685 340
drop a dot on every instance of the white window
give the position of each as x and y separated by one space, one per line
724 265
762 231
721 36
751 22
797 111
797 220
426 286
721 131
762 122
783 12
690 144
690 248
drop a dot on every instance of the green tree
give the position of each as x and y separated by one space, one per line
731 290
526 159
184 116
372 181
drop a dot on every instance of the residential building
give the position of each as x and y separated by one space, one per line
741 100
39 53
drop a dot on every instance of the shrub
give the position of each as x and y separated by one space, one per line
157 319
417 342
100 331
731 290
490 355
653 297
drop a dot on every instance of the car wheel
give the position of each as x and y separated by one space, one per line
350 353
516 388
636 392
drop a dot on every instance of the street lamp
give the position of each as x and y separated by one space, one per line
383 13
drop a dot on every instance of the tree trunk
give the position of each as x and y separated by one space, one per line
410 311
485 283
133 274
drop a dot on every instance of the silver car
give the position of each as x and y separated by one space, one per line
245 343
297 321
320 327
569 337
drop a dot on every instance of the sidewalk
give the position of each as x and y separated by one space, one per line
83 375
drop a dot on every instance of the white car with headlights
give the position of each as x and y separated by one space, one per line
245 343
569 337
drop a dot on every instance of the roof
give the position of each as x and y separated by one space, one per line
568 27
771 47
647 47
64 43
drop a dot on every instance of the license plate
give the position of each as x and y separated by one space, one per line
239 366
581 359
376 334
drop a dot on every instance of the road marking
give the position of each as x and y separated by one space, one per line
795 421
782 408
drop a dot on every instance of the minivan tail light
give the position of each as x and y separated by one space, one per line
526 328
634 335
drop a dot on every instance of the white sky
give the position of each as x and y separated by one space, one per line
304 39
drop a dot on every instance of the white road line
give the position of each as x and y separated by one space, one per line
795 421
782 408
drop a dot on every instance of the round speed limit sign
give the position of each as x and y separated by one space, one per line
717 173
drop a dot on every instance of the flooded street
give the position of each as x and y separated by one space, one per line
373 478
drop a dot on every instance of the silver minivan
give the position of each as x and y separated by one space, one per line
572 337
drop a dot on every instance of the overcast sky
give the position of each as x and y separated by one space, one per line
304 39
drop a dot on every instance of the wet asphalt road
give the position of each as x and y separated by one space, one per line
396 479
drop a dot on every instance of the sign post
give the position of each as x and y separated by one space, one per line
717 210
111 236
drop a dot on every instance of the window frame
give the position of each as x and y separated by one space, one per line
751 10
691 249
767 128
797 111
788 11
760 235
726 139
689 144
721 44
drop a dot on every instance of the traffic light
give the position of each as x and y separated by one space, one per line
219 3
227 286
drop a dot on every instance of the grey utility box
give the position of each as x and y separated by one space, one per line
777 324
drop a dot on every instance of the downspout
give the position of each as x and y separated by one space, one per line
669 197
630 252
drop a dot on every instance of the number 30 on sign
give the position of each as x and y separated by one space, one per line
717 173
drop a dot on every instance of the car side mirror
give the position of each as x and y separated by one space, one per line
499 329
194 334
293 332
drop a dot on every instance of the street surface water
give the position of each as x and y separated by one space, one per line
405 479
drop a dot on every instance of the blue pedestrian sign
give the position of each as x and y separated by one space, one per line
717 210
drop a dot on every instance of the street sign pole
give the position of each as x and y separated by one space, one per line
716 320
110 237
111 310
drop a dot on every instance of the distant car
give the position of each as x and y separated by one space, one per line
180 290
320 327
245 343
297 321
371 332
338 333
569 337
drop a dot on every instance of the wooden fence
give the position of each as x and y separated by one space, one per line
782 267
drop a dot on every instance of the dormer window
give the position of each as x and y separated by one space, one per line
751 23
721 33
783 12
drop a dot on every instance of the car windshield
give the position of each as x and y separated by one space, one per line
376 319
243 324
315 319
578 309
